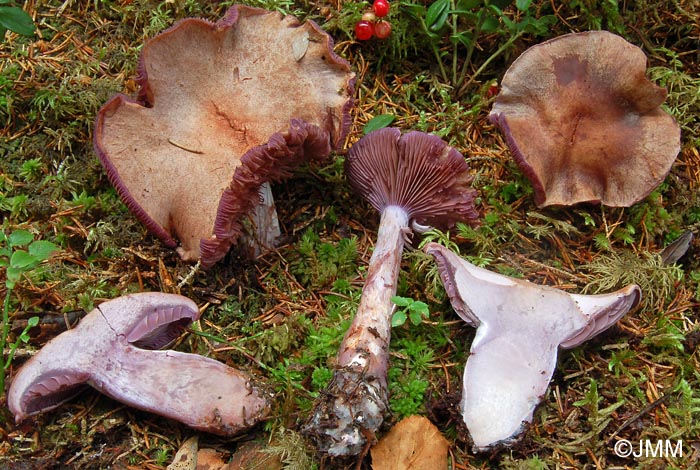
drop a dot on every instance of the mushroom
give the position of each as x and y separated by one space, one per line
413 180
520 326
584 123
223 108
112 349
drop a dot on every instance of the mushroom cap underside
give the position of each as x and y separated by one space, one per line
211 93
416 171
584 123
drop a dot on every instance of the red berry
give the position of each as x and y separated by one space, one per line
369 16
382 29
492 91
381 8
364 30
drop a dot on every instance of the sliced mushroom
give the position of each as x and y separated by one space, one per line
520 326
223 108
112 349
584 123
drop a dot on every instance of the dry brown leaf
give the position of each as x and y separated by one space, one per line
252 456
415 444
210 459
186 456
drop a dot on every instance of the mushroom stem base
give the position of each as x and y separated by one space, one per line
348 413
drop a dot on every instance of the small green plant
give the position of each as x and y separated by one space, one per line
598 417
464 22
613 270
15 19
18 261
599 14
415 310
318 263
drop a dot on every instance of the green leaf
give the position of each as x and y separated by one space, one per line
490 25
32 322
378 122
436 16
419 307
398 319
416 11
416 318
419 311
22 260
20 237
463 37
17 20
468 4
523 5
401 301
13 275
42 249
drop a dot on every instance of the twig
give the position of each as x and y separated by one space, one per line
634 418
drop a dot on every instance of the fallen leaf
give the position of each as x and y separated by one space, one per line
415 444
253 456
186 457
210 459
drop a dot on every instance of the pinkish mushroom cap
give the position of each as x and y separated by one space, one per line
223 108
584 123
112 349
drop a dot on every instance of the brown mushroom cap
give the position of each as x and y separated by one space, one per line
584 123
254 94
416 171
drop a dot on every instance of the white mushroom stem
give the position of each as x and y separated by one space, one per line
366 343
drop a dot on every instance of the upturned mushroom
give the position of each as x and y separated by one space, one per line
223 108
112 349
414 181
520 326
584 123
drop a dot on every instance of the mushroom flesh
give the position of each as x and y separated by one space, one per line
112 349
520 326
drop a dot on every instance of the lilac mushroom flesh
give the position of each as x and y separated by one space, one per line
223 109
520 326
584 123
112 349
414 180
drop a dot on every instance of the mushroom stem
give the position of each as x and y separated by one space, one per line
200 392
414 181
358 393
366 343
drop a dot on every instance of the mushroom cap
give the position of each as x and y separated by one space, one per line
584 123
221 101
416 171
